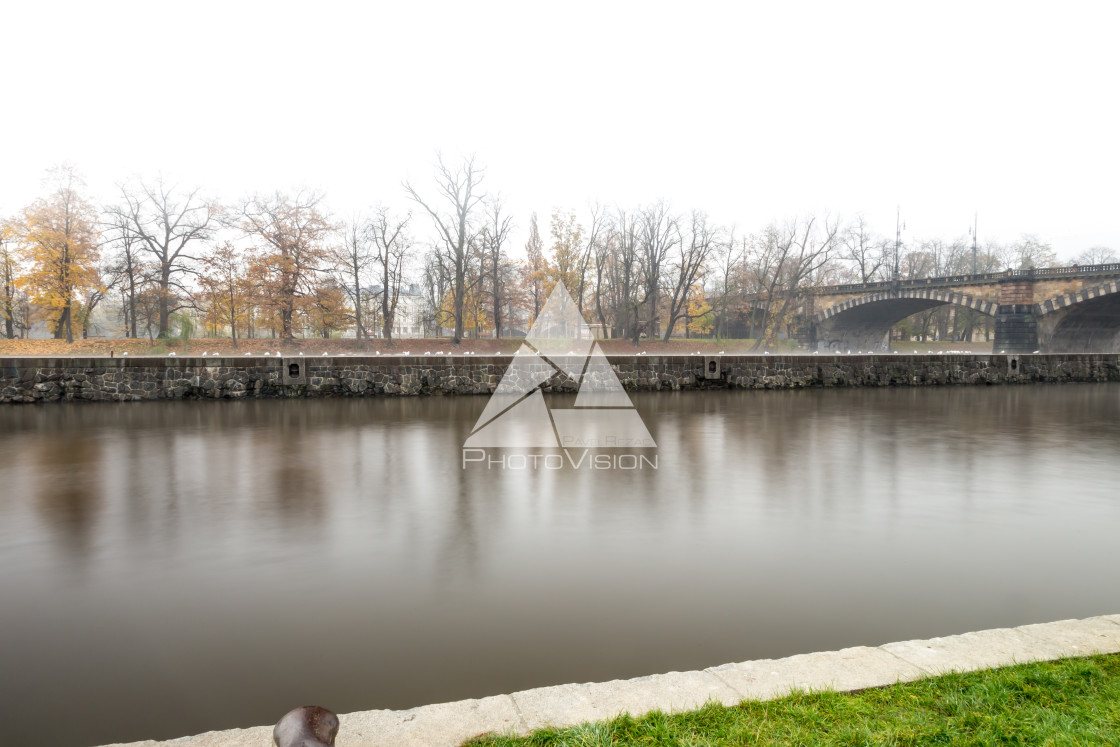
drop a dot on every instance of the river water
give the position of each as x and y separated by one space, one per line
170 568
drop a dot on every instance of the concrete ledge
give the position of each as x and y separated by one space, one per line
848 669
444 723
595 701
567 705
994 648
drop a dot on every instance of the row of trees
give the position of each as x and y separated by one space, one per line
269 262
280 265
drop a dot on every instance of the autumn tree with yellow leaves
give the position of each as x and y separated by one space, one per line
701 320
326 308
290 234
537 269
226 293
58 240
476 314
567 238
8 290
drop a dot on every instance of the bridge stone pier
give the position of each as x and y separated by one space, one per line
1062 310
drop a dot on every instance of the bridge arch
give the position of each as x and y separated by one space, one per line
863 323
1065 300
936 296
1084 321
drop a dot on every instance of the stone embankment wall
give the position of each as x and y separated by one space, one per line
155 378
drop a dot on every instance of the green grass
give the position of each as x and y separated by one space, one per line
1067 702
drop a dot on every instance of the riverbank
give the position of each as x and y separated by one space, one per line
219 346
1070 701
137 378
729 685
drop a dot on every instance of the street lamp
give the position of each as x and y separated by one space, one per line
975 223
898 226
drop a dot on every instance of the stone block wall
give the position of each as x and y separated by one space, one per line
173 378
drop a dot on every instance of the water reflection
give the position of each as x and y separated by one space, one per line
68 490
198 554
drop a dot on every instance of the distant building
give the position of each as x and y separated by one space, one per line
409 319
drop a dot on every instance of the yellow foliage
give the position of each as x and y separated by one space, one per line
58 242
226 294
328 311
566 238
700 317
476 314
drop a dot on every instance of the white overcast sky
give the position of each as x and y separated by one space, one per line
751 112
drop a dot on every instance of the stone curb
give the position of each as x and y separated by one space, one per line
567 705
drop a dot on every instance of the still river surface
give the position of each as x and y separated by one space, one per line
170 568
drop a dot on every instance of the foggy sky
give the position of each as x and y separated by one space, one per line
750 113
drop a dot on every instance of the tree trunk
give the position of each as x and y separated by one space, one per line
9 307
359 330
132 298
386 311
497 303
286 322
460 292
232 319
9 315
164 304
60 325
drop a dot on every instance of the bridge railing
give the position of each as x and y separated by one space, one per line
985 277
1077 269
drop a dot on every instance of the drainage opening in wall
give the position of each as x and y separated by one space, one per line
1014 364
712 368
293 370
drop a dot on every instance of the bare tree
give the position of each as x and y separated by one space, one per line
391 245
786 258
917 263
352 260
592 239
495 236
436 284
605 250
167 222
127 265
659 232
458 189
729 256
625 276
862 249
689 266
95 294
1097 255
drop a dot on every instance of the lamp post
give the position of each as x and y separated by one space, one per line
975 223
898 226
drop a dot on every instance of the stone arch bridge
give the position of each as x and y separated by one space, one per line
1058 309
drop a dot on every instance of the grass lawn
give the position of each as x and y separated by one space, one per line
1067 702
